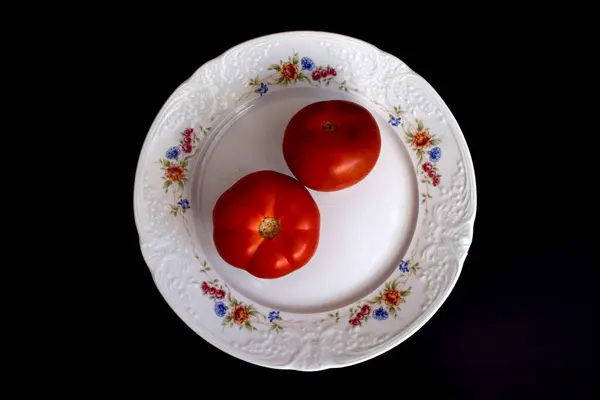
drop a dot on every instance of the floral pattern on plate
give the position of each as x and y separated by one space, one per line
234 313
175 168
425 146
379 307
294 70
312 341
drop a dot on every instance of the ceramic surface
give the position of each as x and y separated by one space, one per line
391 248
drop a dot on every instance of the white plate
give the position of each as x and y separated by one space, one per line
392 246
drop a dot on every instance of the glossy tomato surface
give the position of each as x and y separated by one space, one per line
267 223
331 145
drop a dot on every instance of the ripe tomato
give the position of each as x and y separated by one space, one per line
267 223
331 145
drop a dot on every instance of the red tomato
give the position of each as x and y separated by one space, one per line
331 145
267 223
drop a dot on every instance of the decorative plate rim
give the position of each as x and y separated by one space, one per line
423 316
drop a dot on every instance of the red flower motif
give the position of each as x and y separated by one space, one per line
360 316
174 172
366 309
421 139
391 297
316 75
212 291
186 148
187 139
331 71
427 167
220 294
436 180
204 287
188 132
354 322
431 173
240 314
288 71
324 72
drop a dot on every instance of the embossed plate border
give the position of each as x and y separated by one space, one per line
272 338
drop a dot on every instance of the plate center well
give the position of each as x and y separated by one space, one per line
365 229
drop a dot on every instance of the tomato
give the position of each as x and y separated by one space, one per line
331 145
267 223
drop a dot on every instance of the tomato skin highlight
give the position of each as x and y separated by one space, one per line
331 145
267 223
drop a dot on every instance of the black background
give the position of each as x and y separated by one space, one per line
516 323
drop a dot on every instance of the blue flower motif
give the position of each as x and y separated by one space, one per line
404 266
262 89
395 121
435 154
173 153
380 314
220 309
184 203
273 315
307 63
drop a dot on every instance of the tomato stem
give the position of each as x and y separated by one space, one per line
329 126
269 228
